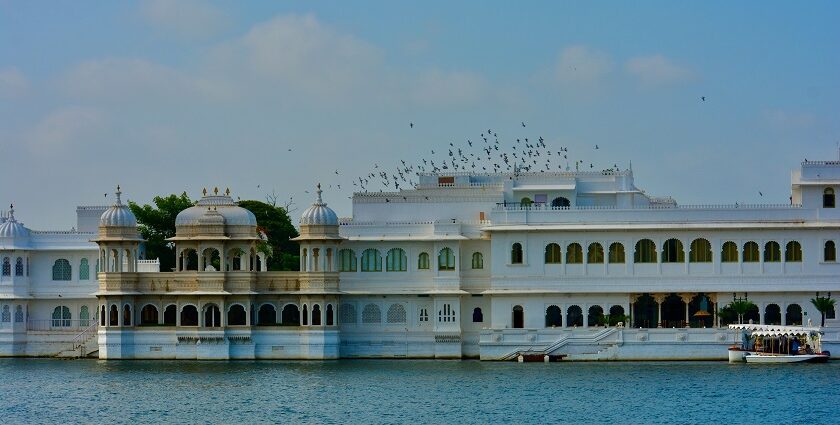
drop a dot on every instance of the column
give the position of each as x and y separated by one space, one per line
585 313
783 310
659 298
686 299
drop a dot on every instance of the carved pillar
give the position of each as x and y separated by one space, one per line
686 299
659 298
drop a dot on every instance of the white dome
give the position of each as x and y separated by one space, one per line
11 229
319 214
118 215
232 214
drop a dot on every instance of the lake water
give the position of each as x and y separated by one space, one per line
402 391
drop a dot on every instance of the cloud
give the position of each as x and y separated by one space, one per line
187 19
62 128
12 83
581 64
657 69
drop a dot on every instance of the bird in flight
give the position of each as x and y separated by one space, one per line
523 123
760 194
703 98
411 125
596 146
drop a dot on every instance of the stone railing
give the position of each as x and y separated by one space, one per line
237 282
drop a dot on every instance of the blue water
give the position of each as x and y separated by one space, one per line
403 391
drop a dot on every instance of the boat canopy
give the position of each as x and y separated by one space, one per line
777 330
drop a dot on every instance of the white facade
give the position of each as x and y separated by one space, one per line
576 264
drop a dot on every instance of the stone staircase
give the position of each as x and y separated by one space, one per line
579 342
84 344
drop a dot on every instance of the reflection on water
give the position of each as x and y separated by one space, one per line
354 391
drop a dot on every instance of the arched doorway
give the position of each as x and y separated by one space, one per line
212 316
518 317
553 317
267 315
596 313
701 311
616 315
772 315
793 315
752 315
673 312
574 316
189 316
645 312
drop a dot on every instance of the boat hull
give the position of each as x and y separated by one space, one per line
786 358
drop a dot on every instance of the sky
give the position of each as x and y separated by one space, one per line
170 96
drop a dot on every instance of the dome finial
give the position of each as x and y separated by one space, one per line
227 191
204 192
319 194
11 212
119 201
216 190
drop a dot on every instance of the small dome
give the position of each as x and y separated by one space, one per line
223 205
11 229
319 214
118 215
211 217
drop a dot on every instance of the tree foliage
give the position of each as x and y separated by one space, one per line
275 223
741 307
823 305
157 223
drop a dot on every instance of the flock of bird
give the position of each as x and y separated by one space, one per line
485 154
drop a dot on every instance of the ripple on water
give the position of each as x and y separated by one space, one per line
387 391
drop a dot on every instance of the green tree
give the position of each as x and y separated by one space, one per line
157 223
274 221
741 307
823 305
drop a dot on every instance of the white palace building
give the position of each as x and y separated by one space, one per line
579 265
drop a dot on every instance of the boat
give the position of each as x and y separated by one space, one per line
778 344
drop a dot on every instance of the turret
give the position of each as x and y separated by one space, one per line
119 240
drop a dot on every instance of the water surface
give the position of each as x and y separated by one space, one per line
401 391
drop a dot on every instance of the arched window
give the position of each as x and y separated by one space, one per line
61 270
672 251
574 253
424 315
446 314
773 314
478 316
446 259
560 202
616 253
700 251
516 253
267 315
330 315
19 267
830 252
346 260
19 314
102 316
316 315
751 252
423 261
574 316
518 319
371 314
7 314
113 316
189 315
371 260
126 315
396 314
793 252
525 202
148 315
61 317
595 253
347 315
729 252
396 260
645 252
616 314
828 198
290 315
236 315
84 316
552 254
84 269
170 314
477 261
305 316
553 317
212 316
7 267
772 252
